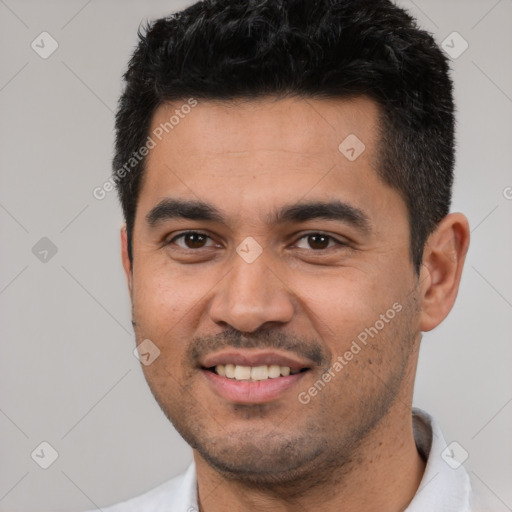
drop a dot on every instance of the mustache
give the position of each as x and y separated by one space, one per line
268 339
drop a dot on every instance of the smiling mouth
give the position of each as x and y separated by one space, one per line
254 373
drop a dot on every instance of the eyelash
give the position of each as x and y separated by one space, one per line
306 235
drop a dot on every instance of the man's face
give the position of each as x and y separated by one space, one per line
267 282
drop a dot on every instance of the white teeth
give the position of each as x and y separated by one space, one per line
274 371
262 372
230 371
242 372
259 372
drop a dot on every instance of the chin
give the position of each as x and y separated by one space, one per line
259 459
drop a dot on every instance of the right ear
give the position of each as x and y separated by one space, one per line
127 265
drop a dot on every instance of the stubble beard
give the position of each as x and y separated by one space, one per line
322 446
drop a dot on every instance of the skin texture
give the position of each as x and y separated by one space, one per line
351 445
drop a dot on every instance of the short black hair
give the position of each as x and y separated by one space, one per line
229 49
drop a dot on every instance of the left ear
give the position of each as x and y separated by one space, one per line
443 260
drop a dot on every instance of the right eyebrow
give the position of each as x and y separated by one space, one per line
183 209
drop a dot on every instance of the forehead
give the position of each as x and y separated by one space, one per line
296 125
247 154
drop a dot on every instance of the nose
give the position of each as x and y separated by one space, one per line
250 296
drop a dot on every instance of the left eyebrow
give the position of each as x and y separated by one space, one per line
170 208
331 210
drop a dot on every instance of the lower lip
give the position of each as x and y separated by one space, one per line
251 392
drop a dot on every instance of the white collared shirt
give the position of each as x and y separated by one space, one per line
445 486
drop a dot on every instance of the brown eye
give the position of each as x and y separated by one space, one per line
191 240
317 241
194 240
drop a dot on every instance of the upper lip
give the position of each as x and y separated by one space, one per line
254 358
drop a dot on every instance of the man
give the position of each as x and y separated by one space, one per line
285 172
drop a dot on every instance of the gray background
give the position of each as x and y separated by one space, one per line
68 375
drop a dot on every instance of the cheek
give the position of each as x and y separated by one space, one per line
344 303
361 319
168 306
162 294
161 303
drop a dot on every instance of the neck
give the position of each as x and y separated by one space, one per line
384 475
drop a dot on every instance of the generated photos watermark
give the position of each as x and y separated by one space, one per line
363 338
156 136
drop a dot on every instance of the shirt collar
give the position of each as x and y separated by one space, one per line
444 487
